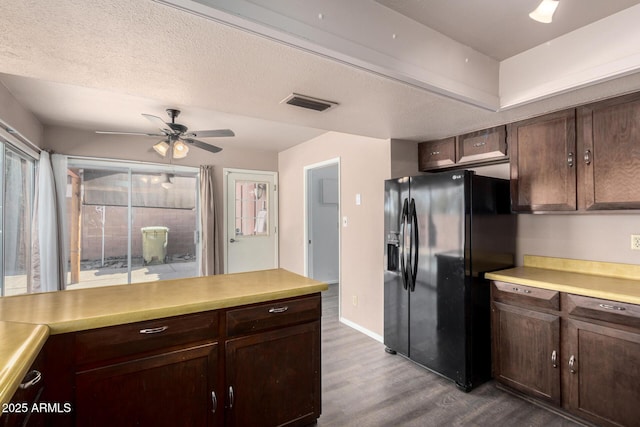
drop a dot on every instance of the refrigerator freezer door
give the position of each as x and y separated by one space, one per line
437 305
396 294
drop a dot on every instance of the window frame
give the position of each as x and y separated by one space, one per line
130 167
7 145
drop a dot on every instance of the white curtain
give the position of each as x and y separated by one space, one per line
209 253
59 166
45 257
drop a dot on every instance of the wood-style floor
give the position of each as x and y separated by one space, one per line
364 386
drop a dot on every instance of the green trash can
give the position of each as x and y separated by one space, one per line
154 245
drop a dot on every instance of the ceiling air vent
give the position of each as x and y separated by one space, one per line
308 102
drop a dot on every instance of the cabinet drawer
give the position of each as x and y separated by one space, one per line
272 315
525 296
437 154
125 340
484 145
605 310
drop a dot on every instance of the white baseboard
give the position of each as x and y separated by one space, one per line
359 328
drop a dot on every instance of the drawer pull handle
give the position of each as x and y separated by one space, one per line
554 359
587 157
276 310
214 401
572 364
570 159
526 291
612 307
479 144
157 330
37 376
434 153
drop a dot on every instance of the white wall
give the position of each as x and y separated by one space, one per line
593 237
364 165
17 117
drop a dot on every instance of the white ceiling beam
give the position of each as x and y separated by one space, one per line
367 35
600 51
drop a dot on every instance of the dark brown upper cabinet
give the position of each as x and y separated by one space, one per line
437 154
472 149
485 146
609 154
543 163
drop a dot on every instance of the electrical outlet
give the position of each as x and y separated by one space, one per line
635 242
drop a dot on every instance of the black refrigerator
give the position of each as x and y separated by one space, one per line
443 231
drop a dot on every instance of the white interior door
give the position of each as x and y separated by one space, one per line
251 218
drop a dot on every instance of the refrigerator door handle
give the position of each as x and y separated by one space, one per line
415 244
403 250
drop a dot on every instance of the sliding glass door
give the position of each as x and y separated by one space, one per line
17 187
130 223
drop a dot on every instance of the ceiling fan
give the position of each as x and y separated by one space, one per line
177 139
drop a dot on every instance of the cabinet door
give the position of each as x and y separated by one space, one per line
273 378
609 147
604 377
543 163
437 154
526 346
489 145
168 389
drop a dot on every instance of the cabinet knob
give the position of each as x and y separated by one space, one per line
554 359
572 364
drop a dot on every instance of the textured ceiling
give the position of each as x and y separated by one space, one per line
499 28
94 65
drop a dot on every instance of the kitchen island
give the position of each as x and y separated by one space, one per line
104 345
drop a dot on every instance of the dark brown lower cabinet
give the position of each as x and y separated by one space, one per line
526 350
603 373
168 389
252 365
23 410
273 377
575 352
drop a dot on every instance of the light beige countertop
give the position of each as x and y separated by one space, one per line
611 281
20 343
27 320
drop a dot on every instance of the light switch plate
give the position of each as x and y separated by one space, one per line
635 242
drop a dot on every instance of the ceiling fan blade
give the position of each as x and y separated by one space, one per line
218 133
203 145
164 127
112 132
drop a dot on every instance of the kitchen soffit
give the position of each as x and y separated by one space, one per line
397 40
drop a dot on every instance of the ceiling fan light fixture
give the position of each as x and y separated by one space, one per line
544 12
180 150
161 148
